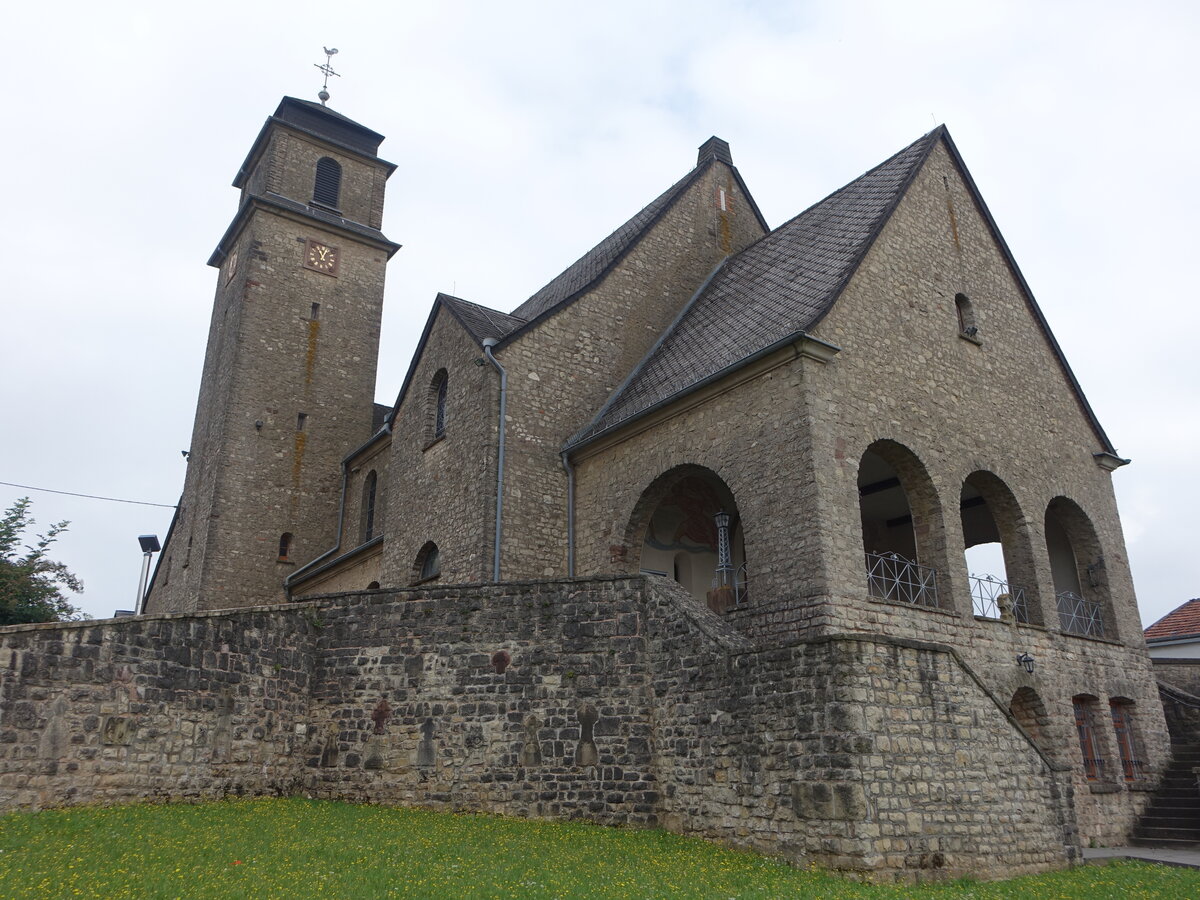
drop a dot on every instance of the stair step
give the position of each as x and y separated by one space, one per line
1153 821
1166 834
1165 843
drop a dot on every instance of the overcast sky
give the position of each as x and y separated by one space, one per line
524 133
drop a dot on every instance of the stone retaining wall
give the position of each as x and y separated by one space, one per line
618 700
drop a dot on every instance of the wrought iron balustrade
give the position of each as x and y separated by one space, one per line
989 595
739 581
1078 615
892 577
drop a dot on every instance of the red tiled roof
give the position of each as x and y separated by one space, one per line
1182 621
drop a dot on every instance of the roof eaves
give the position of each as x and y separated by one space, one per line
579 437
681 188
762 222
456 304
1173 638
259 145
328 220
1088 412
439 302
827 349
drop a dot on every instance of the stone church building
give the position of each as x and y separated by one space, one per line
682 539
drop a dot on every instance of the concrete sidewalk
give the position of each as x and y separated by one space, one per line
1186 858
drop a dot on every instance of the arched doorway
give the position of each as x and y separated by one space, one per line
687 527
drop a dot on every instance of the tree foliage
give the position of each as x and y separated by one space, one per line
31 585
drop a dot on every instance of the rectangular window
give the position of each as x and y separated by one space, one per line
301 418
316 311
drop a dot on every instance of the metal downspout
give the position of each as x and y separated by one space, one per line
488 344
570 469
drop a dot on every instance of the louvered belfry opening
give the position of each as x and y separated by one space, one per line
328 183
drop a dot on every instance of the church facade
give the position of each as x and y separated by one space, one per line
800 435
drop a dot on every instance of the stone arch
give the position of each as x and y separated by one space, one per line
903 530
991 515
428 564
1078 571
1028 709
673 531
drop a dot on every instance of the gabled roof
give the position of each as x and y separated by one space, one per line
781 285
590 268
480 321
1181 622
784 284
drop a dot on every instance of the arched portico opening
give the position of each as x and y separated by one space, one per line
901 525
686 526
999 553
1078 570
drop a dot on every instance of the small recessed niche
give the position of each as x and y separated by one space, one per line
316 311
301 420
968 327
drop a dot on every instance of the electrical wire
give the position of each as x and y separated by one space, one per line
26 487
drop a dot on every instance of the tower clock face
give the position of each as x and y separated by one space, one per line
321 257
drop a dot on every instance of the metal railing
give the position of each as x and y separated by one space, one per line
1077 615
739 581
990 597
892 577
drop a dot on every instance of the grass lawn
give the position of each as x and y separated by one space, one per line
291 849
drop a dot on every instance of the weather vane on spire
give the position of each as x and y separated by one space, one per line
328 70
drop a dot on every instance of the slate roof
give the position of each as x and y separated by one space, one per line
590 267
1180 622
777 287
379 414
480 321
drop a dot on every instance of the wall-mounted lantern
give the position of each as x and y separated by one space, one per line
1026 662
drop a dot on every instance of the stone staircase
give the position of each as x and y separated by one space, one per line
1172 818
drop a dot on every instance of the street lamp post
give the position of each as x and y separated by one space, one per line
150 546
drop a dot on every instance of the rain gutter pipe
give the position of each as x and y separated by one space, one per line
488 344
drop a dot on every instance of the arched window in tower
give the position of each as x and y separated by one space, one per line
368 506
285 546
328 183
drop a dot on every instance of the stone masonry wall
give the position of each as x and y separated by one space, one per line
562 371
256 471
871 754
1001 405
444 490
619 700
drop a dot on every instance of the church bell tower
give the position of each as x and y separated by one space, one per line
289 372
